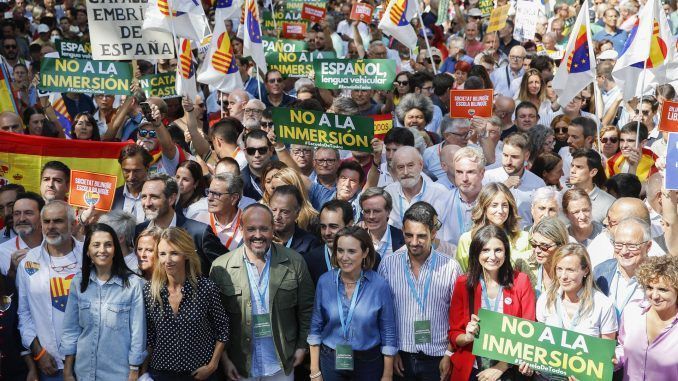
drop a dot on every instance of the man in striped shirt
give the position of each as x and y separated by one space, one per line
421 280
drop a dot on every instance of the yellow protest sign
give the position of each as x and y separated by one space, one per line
498 18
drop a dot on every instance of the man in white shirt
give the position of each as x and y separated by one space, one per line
223 213
515 176
469 170
580 134
134 161
610 92
27 207
447 164
502 77
585 172
455 132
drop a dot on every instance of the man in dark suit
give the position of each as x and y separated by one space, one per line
158 197
134 161
258 152
285 203
376 205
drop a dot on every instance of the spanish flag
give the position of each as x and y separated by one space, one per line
22 157
646 167
7 102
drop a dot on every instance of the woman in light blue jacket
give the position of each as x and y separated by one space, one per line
104 328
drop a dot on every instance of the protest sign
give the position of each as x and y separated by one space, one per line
295 65
92 189
671 181
313 13
362 12
377 74
160 85
669 118
486 7
383 123
498 18
80 76
115 32
320 129
466 104
546 349
74 49
272 44
527 13
293 30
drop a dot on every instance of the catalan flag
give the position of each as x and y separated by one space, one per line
219 68
59 106
59 289
578 67
185 80
252 45
648 53
7 102
396 22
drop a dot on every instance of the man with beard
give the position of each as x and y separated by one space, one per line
10 50
223 213
55 180
27 226
134 161
376 205
515 176
285 204
491 45
43 281
395 138
252 114
271 317
158 197
8 195
580 134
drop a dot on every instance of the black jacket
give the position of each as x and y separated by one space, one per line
303 242
118 199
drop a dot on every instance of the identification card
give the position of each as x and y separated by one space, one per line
422 331
344 357
262 325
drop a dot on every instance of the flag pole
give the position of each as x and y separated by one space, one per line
423 30
598 108
640 100
256 78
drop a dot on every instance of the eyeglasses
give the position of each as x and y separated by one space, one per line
275 80
252 150
464 135
618 246
516 58
560 130
611 140
542 246
253 111
217 195
326 161
428 88
401 83
266 125
144 133
301 151
60 269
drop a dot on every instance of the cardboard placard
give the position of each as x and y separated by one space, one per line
84 76
295 64
272 44
162 85
498 18
362 12
313 13
92 189
669 119
74 49
527 13
370 74
466 104
293 30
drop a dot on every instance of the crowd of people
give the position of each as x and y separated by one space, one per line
230 255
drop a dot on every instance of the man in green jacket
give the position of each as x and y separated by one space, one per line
268 295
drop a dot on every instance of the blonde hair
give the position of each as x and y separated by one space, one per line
181 241
586 300
307 213
479 214
524 94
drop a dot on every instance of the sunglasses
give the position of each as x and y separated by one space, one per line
266 125
611 140
252 150
541 246
144 133
275 80
401 83
560 130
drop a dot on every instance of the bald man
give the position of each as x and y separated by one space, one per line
503 76
653 201
447 164
601 249
237 100
10 122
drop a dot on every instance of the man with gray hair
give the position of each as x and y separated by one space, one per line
344 106
237 100
223 213
616 277
469 170
123 223
545 203
43 281
158 197
454 132
252 113
376 205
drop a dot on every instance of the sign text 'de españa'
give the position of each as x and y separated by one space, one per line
115 32
297 64
92 189
545 348
80 76
313 13
376 74
320 129
162 85
469 103
669 118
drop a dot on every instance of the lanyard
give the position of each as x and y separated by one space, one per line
263 281
486 299
235 230
540 279
289 242
427 283
236 152
256 186
460 213
628 294
508 77
560 310
387 244
346 321
327 259
414 199
17 242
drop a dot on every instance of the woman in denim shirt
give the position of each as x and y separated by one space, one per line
104 330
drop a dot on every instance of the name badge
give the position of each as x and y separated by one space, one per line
343 357
422 331
262 325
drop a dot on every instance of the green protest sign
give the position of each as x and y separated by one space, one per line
546 349
486 7
354 74
272 44
295 65
159 85
320 129
80 76
74 49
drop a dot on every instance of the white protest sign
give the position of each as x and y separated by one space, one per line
115 32
527 13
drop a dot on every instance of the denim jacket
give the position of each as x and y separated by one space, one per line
105 328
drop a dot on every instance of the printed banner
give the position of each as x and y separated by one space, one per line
115 32
486 7
74 49
669 118
546 349
377 74
313 13
159 85
319 129
22 157
466 104
293 30
81 76
362 12
92 189
272 44
498 18
671 181
527 13
295 65
383 123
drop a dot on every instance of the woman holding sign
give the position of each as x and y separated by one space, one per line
353 330
492 284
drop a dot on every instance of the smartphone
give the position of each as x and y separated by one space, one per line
146 110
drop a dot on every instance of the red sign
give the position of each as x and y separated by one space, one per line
362 12
313 13
382 124
466 104
92 189
294 31
669 118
